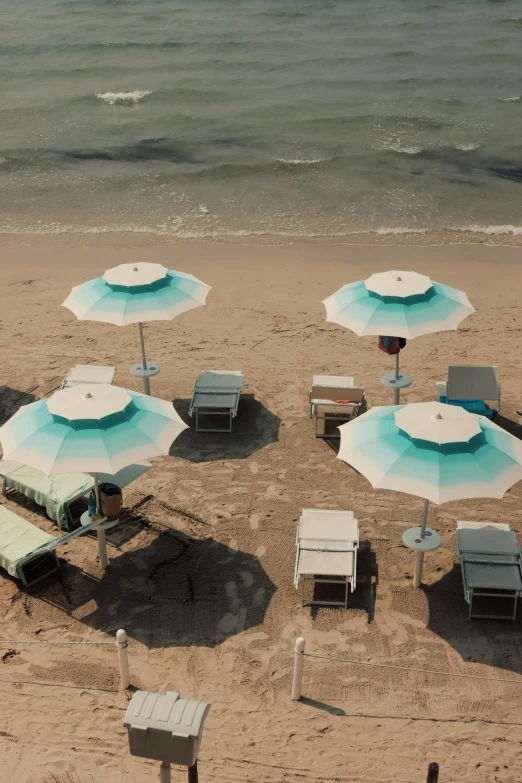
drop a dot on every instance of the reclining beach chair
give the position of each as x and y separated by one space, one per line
88 373
216 394
28 553
470 387
491 567
334 398
327 544
58 493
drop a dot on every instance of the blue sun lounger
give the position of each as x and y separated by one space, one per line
471 387
216 393
491 567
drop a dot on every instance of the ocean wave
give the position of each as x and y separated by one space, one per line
406 149
430 234
511 100
301 161
113 98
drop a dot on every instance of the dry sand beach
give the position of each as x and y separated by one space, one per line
202 564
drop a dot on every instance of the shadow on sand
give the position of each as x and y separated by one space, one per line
11 400
254 428
493 642
177 591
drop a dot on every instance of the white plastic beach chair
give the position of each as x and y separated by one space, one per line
334 397
491 564
470 387
216 393
88 373
327 543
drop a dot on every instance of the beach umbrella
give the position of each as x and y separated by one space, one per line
135 293
435 451
402 304
91 428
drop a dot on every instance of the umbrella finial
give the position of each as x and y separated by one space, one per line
398 279
135 269
438 416
87 396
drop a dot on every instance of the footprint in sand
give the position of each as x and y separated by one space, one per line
247 578
260 551
254 467
235 619
254 521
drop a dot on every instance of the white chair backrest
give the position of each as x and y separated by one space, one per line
353 393
473 383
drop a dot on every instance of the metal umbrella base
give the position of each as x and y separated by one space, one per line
412 538
396 383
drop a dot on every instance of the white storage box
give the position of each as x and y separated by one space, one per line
165 727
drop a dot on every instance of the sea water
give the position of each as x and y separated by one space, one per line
252 118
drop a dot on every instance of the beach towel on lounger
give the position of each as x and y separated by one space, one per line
18 538
52 492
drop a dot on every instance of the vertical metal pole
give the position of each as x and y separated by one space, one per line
142 341
102 546
97 493
123 658
424 518
417 574
146 381
397 376
419 555
433 772
193 773
298 668
396 389
165 776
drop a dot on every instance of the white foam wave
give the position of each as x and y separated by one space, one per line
515 231
467 147
216 234
300 161
400 230
511 100
122 97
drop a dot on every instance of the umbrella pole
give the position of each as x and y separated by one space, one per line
146 382
419 555
396 389
102 546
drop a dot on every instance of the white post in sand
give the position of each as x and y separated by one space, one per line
123 658
165 776
298 668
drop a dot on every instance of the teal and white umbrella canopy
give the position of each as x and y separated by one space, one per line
435 451
91 428
134 293
401 304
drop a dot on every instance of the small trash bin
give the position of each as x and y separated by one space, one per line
165 727
111 499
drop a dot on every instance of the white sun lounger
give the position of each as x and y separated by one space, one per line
88 373
491 564
334 397
28 553
327 543
471 387
216 393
